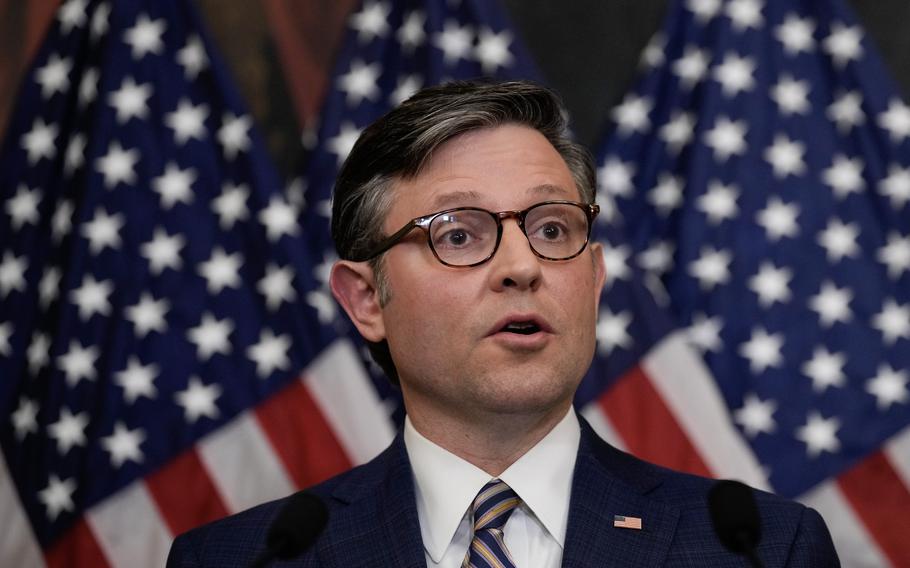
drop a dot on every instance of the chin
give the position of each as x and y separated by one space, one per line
532 392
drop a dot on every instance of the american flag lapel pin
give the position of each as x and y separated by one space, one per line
622 522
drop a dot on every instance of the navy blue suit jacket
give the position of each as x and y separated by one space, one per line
373 520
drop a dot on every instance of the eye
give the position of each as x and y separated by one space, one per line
456 237
551 230
460 230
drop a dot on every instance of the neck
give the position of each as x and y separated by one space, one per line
492 442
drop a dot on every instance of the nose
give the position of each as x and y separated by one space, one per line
514 265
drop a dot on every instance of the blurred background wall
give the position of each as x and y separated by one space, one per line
587 49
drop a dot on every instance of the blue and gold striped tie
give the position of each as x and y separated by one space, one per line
491 510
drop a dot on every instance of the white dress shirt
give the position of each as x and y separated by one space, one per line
446 485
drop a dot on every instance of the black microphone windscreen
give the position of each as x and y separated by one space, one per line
735 516
297 525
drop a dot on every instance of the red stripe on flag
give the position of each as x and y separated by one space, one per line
301 436
882 501
647 426
307 41
185 494
77 549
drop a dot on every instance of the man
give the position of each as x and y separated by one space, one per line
462 221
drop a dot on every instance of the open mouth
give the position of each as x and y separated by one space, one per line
521 327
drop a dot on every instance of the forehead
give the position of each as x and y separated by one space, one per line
498 168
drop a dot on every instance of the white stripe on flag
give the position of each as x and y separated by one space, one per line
243 465
343 390
897 449
854 545
18 546
601 424
689 391
129 529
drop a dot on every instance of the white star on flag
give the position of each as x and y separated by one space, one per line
727 138
174 185
23 207
234 134
847 110
692 66
832 304
893 321
79 363
896 186
148 315
493 49
613 331
211 336
763 350
712 268
230 205
412 33
54 77
117 165
270 354
123 445
145 36
103 231
772 284
796 34
187 121
896 120
279 218
131 100
843 44
38 143
779 219
221 270
57 497
786 156
198 400
889 387
92 297
163 251
371 21
277 286
819 434
454 41
826 369
69 430
756 416
137 380
839 240
361 82
12 273
25 418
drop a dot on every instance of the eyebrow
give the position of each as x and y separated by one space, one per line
454 199
457 198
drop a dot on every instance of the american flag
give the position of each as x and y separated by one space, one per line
760 171
169 353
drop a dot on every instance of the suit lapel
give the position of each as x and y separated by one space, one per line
608 482
379 527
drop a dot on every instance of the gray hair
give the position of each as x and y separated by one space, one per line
400 143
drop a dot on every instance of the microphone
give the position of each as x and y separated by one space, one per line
294 529
734 515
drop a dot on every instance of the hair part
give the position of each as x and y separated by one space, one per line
399 144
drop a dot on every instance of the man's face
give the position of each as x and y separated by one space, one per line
446 326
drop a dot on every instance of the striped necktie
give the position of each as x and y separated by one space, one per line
491 509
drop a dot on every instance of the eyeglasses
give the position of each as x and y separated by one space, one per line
468 236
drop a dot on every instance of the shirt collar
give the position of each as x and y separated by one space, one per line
445 484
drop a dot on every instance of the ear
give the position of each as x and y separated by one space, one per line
600 272
354 287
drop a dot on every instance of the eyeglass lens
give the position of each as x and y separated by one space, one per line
468 236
